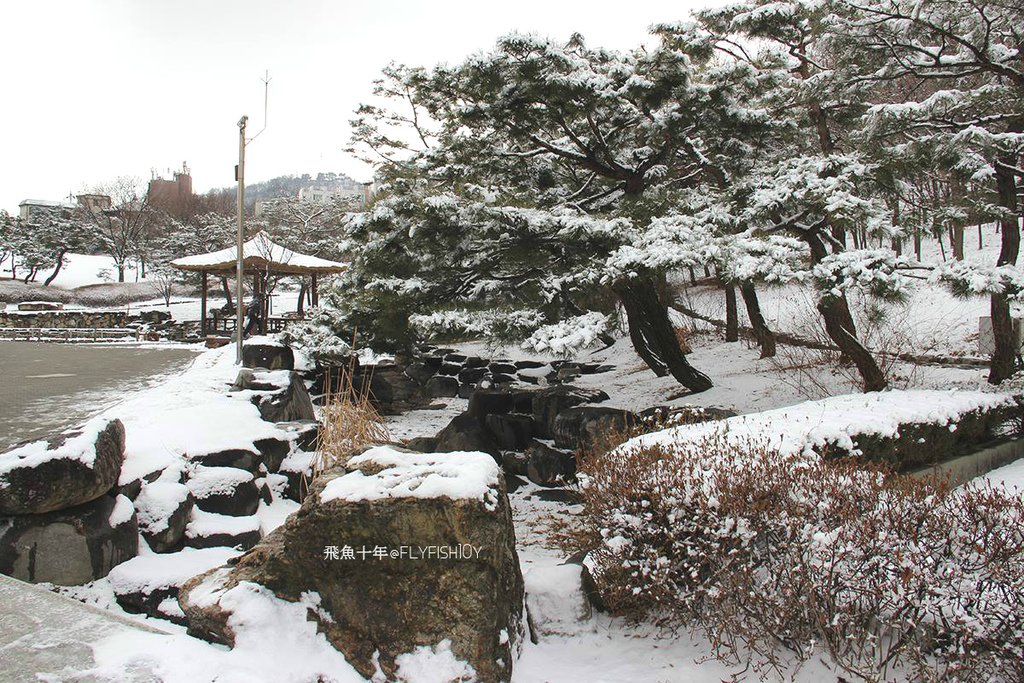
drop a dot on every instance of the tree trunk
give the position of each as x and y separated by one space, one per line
1004 355
956 238
839 326
765 337
652 334
732 318
120 272
56 271
897 246
227 295
917 246
302 298
836 313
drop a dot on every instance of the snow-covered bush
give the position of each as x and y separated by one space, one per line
324 335
777 558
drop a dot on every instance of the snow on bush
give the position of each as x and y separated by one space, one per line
777 557
966 280
320 335
571 336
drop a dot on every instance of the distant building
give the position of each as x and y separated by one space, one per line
360 192
171 195
93 203
321 194
31 207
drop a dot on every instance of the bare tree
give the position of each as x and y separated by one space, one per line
122 227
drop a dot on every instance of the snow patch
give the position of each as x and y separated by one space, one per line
459 476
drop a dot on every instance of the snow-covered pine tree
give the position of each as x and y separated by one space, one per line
807 180
551 158
43 241
964 118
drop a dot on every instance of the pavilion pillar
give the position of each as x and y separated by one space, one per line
315 296
202 325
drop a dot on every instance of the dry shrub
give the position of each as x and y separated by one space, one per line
683 337
778 558
350 422
823 371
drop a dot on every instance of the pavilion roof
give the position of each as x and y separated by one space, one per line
263 254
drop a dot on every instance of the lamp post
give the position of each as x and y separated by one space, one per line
240 264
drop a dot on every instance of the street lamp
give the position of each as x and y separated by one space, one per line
240 177
240 264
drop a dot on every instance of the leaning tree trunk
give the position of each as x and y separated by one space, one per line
732 318
652 334
300 309
835 313
56 271
227 295
1004 355
839 325
762 333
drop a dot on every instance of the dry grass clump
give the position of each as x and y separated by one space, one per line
350 422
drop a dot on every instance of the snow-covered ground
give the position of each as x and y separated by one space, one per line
277 643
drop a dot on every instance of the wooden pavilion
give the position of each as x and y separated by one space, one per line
263 258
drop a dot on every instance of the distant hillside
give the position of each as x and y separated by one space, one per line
289 186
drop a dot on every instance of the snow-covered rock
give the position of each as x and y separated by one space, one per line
210 530
72 468
556 601
224 490
143 583
403 551
163 508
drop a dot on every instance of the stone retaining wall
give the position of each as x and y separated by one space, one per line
66 319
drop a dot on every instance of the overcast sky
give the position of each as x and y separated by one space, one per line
95 89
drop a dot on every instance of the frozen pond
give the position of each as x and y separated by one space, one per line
46 387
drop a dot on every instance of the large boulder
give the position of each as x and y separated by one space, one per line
548 403
465 433
289 403
71 469
549 466
69 547
588 427
404 550
149 584
267 355
486 402
512 431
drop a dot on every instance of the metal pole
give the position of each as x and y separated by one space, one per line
240 267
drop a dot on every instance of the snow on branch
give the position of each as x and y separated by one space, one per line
967 280
570 336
